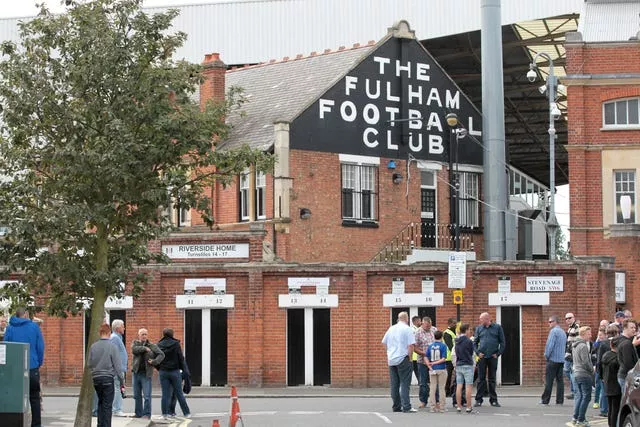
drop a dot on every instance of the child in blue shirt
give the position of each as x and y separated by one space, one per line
436 360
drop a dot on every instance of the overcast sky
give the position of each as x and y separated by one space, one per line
20 8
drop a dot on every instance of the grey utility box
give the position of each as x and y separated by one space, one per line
14 377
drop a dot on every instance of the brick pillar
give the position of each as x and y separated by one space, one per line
256 316
359 313
213 88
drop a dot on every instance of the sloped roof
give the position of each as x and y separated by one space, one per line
279 91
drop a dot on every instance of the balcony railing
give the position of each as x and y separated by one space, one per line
423 235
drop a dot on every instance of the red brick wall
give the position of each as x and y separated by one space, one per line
589 236
257 346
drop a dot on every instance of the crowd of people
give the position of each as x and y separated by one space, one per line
446 362
446 368
108 361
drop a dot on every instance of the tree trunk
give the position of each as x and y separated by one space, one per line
83 410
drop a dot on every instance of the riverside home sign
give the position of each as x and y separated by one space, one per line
545 284
391 104
207 250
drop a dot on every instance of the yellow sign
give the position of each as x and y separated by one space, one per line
457 296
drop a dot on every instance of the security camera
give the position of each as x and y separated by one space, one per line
555 111
532 75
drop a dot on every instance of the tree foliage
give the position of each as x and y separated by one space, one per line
99 132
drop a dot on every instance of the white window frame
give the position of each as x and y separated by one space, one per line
617 120
359 178
627 186
260 195
468 199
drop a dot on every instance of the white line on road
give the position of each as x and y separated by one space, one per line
258 413
354 413
384 418
524 415
306 412
554 415
503 415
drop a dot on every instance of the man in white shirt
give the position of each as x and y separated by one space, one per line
400 340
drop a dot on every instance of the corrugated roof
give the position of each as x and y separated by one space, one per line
280 91
609 21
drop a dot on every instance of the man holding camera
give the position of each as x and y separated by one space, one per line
146 355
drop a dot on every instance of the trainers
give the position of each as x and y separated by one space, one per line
459 409
187 415
478 404
495 404
596 406
570 397
410 411
119 414
468 410
433 410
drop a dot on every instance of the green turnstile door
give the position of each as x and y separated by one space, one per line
14 377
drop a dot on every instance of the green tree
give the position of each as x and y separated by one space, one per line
562 250
99 131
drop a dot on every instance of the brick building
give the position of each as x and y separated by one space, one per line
603 79
353 226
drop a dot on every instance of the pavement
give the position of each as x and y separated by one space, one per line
505 392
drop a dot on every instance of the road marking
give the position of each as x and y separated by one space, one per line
524 415
554 415
306 412
258 413
211 414
503 415
355 413
383 418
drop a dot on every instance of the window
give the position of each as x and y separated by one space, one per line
260 196
359 197
625 195
178 215
468 204
621 113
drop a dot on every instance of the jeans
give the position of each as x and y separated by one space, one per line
604 406
613 402
582 397
34 396
423 379
599 389
117 397
487 364
553 372
400 376
105 391
171 382
142 387
568 367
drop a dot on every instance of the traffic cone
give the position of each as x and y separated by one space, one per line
215 423
235 408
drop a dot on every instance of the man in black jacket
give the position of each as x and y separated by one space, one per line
627 356
170 376
146 356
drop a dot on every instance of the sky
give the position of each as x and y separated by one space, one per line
21 8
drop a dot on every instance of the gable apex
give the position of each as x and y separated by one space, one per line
401 30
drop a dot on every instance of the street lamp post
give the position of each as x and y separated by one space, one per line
454 179
550 87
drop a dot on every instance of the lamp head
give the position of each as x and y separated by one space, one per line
305 213
555 111
531 74
542 89
397 178
452 119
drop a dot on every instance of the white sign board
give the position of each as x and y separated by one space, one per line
205 301
192 284
413 300
296 282
545 284
307 301
3 354
504 285
519 298
457 270
428 285
397 285
124 303
620 287
322 289
207 250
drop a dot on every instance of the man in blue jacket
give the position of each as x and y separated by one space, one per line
489 345
22 329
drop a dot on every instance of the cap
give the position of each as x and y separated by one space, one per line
619 313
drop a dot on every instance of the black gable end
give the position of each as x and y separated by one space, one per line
392 104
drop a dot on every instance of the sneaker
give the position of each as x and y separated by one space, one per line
459 409
410 411
496 404
478 404
603 415
543 403
119 414
596 406
433 410
574 421
584 423
468 410
570 397
187 415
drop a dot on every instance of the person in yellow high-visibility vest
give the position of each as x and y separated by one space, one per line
415 322
449 338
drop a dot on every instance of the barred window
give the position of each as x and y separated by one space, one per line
625 196
468 204
359 196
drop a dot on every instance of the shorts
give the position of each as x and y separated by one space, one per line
464 374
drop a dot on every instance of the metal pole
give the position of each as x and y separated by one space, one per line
457 206
452 189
